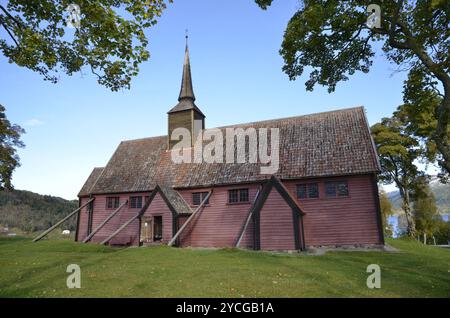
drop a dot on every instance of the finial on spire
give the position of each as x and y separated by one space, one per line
186 98
186 91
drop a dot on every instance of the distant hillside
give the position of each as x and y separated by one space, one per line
31 212
441 192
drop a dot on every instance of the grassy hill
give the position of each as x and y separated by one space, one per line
39 270
32 212
441 192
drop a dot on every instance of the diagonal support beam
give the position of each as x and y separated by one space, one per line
104 222
40 236
172 241
141 212
247 222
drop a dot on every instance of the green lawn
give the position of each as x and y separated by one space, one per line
39 270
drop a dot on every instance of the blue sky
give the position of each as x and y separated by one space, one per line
76 124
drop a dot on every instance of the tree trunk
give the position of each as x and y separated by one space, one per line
411 226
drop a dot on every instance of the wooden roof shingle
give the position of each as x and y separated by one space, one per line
323 144
90 182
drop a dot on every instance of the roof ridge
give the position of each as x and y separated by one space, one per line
137 165
144 138
259 122
294 117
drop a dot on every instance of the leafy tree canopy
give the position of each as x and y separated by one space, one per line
397 152
331 38
9 142
32 212
109 39
421 99
424 208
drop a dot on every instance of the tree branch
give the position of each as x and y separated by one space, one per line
443 110
392 29
9 33
10 16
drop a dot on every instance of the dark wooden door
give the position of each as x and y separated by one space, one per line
157 228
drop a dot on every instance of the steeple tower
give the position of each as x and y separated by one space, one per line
186 81
186 114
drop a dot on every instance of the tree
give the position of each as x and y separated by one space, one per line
386 212
397 152
425 212
331 37
421 98
9 141
443 232
109 38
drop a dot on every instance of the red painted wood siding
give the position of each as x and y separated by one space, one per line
328 221
82 220
184 238
129 235
276 224
158 207
341 220
219 223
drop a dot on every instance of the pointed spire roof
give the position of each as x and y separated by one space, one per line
186 90
186 98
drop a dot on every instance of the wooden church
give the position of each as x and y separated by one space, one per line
324 193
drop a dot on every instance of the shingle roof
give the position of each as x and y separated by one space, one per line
176 200
185 104
323 144
93 177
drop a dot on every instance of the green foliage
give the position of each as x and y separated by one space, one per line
425 211
442 233
397 152
421 99
264 4
32 212
386 212
110 40
331 39
9 142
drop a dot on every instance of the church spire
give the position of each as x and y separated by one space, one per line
186 92
185 114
